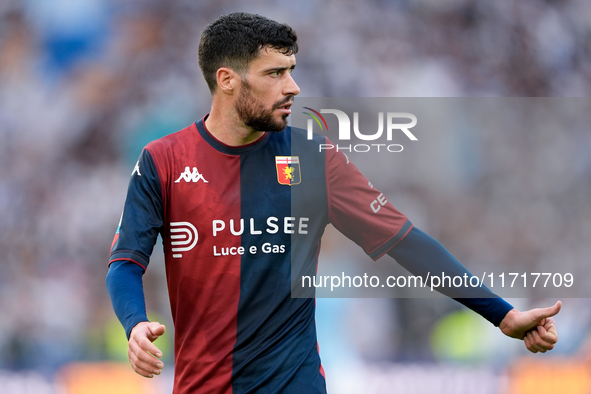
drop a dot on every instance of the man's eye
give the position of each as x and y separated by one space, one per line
274 73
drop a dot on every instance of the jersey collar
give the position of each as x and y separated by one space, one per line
231 150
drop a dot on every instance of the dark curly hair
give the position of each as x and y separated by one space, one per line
234 40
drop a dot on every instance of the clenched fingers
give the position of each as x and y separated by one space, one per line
548 331
536 343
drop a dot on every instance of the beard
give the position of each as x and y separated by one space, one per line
253 114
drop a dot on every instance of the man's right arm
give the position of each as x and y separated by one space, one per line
141 222
124 283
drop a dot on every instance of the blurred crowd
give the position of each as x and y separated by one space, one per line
84 85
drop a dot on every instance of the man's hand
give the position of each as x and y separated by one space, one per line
141 351
536 327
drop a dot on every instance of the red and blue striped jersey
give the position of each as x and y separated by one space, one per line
235 222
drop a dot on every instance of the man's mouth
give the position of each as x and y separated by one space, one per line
285 108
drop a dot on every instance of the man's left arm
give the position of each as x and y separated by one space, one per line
421 254
364 215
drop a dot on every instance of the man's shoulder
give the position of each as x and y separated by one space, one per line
171 141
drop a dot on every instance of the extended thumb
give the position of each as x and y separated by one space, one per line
543 313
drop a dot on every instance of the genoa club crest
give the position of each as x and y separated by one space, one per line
288 170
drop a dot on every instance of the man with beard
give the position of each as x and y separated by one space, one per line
239 198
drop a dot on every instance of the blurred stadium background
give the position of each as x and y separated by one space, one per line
84 85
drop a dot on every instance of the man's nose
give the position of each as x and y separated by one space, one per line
291 87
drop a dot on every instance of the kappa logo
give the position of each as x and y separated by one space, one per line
183 237
136 169
191 176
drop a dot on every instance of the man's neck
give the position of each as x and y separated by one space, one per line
226 127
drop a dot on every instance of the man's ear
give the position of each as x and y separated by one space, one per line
227 79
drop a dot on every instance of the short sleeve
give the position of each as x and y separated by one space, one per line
359 211
142 217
